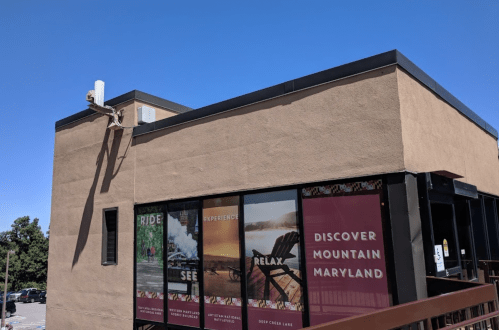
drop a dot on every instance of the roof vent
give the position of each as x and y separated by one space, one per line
146 115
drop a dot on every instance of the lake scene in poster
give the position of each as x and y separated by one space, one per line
183 264
221 264
274 283
345 256
149 260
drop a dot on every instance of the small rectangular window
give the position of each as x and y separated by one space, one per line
110 237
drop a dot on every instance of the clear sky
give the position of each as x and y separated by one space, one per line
198 53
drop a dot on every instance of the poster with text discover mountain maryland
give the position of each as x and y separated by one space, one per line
345 257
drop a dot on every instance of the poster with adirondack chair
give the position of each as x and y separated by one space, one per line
272 250
273 266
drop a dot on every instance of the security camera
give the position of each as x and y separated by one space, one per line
91 96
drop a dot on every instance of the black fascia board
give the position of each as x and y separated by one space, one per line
368 64
73 118
133 95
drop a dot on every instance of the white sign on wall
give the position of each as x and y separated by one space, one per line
439 258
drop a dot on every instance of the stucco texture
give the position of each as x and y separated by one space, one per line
437 137
93 170
342 129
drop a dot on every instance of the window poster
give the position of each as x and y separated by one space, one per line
274 281
345 258
221 262
183 264
149 276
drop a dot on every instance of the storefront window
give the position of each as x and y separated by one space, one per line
492 227
149 264
183 264
221 260
344 250
274 277
442 216
464 232
479 230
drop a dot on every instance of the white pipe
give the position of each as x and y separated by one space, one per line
99 93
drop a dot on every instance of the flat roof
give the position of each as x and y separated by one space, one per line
393 57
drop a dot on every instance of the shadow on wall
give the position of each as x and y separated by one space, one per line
111 160
86 217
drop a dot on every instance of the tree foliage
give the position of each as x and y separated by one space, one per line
147 237
28 266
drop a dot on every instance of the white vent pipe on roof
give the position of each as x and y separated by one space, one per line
99 93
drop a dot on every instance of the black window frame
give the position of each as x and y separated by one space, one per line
489 211
104 253
453 270
435 189
387 236
465 232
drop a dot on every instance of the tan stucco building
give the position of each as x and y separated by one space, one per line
379 118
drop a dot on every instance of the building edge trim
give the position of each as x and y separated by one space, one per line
185 114
132 95
393 57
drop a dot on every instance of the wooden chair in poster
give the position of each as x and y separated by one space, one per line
275 261
234 273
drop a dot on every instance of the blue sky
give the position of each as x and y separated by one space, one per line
201 52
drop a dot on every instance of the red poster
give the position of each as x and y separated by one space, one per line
345 256
222 264
184 312
149 308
